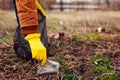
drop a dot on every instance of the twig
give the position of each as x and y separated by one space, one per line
31 70
62 76
103 75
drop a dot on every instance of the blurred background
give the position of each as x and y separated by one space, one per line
70 16
68 5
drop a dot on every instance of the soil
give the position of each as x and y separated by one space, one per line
76 54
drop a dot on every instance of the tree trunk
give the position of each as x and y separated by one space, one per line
107 2
61 5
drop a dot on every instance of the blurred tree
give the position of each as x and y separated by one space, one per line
42 2
6 4
61 5
77 5
47 3
107 2
115 4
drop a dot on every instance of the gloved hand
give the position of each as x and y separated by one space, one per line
37 48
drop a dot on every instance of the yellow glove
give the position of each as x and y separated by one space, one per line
37 48
39 7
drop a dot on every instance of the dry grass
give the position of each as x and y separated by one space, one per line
77 23
7 20
82 22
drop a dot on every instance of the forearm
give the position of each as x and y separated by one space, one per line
27 14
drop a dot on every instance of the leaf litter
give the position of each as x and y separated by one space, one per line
72 54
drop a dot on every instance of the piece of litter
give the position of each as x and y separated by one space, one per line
50 67
61 22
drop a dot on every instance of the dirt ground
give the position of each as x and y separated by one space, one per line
81 56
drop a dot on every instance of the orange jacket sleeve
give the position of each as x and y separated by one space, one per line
28 16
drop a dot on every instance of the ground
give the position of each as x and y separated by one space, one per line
83 53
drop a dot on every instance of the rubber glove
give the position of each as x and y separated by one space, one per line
39 7
37 48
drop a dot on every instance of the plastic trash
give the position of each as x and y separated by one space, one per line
50 67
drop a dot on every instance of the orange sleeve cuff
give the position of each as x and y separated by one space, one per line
29 30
